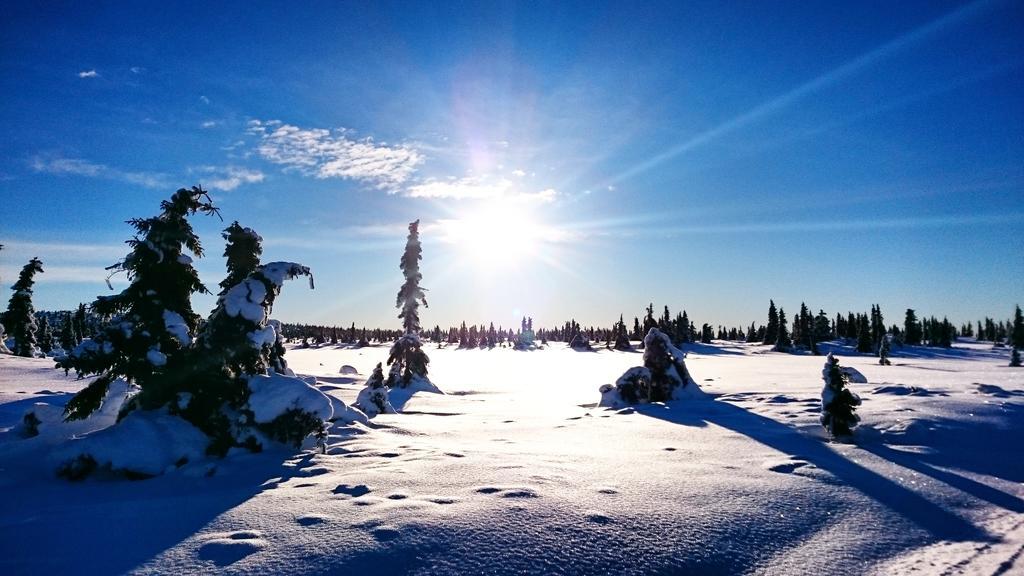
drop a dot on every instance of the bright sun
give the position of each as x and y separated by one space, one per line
498 236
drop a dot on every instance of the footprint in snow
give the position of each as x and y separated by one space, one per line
669 449
442 500
311 520
384 534
397 496
488 490
227 548
454 454
353 491
607 491
598 518
521 493
787 467
313 472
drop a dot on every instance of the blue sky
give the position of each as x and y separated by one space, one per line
565 159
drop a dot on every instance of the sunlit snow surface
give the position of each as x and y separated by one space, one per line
513 471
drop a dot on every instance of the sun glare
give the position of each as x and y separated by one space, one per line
497 236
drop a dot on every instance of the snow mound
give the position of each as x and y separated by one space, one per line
373 401
273 395
854 375
348 370
145 443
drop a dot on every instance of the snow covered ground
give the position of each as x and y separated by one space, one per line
514 471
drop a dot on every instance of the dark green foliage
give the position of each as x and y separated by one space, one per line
1017 329
67 333
863 335
407 361
243 251
20 318
668 371
580 343
44 336
783 343
88 400
162 283
1015 358
771 331
294 426
912 333
838 403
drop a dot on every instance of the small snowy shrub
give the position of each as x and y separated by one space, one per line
838 403
580 343
373 399
883 352
662 378
1015 358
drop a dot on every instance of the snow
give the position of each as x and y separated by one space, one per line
515 471
156 357
274 394
146 442
177 327
278 272
245 299
265 336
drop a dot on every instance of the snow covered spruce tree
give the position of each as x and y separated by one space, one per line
838 402
44 335
373 399
662 378
3 331
243 250
883 351
1015 358
407 361
67 333
783 343
152 319
226 384
21 315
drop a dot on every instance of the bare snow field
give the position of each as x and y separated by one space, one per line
514 471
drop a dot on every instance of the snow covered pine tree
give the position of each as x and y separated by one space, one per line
21 315
838 403
883 351
373 399
407 361
152 319
662 378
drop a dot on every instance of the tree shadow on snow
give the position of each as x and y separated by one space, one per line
931 517
111 525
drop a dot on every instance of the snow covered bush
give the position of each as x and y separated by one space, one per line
152 319
662 378
580 343
838 403
373 399
21 315
1015 358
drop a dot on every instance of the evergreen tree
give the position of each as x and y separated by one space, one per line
771 331
1017 330
883 352
621 337
67 333
20 318
373 399
407 361
80 324
243 251
863 335
411 294
912 332
44 335
783 343
1015 358
151 320
838 403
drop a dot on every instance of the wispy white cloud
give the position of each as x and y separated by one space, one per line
208 124
88 74
79 167
137 69
227 178
478 188
204 99
518 173
326 153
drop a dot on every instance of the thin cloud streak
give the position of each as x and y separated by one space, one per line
78 167
825 80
